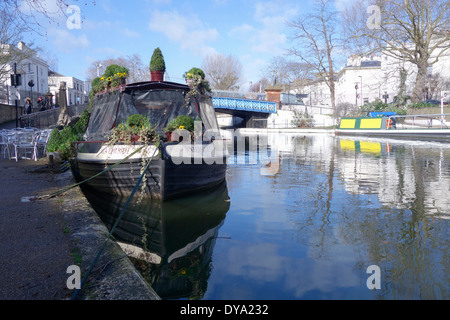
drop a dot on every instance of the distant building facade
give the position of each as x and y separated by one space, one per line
76 91
365 79
32 70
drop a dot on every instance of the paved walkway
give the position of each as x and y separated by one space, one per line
39 240
34 248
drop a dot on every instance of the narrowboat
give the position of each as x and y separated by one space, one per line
390 125
174 167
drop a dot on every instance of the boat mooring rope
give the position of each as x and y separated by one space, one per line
115 224
54 194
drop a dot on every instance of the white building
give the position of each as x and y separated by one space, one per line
365 79
76 91
32 69
360 81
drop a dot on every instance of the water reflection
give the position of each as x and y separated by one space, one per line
408 175
172 242
334 208
307 229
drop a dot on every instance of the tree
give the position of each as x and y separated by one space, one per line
18 17
157 62
260 85
315 34
416 31
289 74
222 72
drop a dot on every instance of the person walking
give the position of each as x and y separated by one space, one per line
28 106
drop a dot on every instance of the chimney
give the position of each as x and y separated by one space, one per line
273 93
21 45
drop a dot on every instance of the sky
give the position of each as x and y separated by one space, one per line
185 31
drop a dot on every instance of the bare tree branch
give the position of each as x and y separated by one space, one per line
416 31
316 41
223 72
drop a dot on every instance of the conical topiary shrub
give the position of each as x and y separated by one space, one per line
157 65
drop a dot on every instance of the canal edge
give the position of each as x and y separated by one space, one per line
113 277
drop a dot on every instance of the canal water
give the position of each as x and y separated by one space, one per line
312 216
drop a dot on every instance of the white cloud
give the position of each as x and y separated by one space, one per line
266 34
130 33
188 31
341 5
66 40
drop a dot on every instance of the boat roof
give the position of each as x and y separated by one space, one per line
149 85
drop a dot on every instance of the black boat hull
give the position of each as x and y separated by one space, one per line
164 179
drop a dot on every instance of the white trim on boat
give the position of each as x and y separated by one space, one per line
118 152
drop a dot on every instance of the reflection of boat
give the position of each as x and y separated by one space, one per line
176 168
368 147
432 126
176 237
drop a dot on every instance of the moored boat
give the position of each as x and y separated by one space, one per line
175 167
423 127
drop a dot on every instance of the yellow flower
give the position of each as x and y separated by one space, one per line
181 127
183 271
109 79
102 78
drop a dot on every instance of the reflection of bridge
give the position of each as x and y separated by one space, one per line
247 109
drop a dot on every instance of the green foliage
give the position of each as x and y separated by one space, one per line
82 123
60 140
181 121
303 119
194 72
113 76
113 69
157 61
199 86
137 121
95 82
137 128
420 105
378 106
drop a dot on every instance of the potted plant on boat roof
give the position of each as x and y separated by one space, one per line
137 128
157 65
181 122
198 85
192 74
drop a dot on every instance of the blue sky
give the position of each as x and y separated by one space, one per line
185 31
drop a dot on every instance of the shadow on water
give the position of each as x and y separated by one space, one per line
171 243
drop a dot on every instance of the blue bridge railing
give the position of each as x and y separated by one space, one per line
244 105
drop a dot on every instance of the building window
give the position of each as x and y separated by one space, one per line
430 71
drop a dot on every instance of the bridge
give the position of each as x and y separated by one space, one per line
247 109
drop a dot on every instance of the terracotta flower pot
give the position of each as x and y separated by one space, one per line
157 75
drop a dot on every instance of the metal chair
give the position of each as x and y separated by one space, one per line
25 142
4 143
41 141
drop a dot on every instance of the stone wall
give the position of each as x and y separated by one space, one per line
8 113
